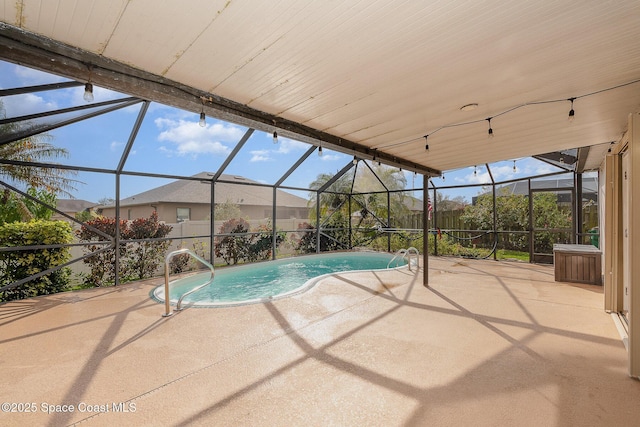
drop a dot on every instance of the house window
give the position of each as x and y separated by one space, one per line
183 214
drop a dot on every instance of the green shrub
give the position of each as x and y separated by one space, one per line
138 260
102 265
233 249
144 258
334 237
261 245
17 265
245 247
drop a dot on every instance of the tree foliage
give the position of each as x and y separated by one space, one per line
227 210
20 264
144 258
138 260
513 215
334 236
32 149
357 199
246 246
14 207
233 249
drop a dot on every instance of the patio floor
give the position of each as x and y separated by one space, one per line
487 344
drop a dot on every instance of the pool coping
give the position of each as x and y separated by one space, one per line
306 286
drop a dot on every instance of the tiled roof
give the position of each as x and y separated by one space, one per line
74 205
198 192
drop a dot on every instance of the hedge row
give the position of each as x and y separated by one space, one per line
17 265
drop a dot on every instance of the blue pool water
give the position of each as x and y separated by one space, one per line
272 279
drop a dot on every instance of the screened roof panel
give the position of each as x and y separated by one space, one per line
329 163
172 142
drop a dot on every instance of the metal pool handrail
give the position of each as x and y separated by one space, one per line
407 253
167 304
398 253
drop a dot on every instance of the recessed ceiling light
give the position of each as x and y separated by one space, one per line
469 107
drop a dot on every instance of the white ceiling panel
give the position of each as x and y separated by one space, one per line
380 73
84 24
158 36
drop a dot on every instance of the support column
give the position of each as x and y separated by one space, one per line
435 221
579 226
610 241
425 231
633 234
349 241
388 221
274 234
495 218
117 236
318 222
212 223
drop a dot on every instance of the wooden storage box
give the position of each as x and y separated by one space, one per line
577 263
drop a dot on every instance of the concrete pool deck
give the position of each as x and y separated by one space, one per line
487 344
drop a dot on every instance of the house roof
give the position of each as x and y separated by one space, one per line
371 76
74 205
589 184
229 188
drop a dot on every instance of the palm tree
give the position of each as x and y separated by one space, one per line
366 204
385 178
32 149
335 196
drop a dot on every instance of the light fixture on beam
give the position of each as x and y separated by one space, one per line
203 119
490 131
88 92
88 88
572 113
275 137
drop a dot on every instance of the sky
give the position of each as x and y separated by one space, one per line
170 141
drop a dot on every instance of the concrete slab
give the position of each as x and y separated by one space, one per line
487 343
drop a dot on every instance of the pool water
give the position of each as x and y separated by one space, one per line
272 279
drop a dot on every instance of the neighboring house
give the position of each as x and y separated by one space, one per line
589 188
185 200
71 207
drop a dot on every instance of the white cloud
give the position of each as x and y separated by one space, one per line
501 173
533 167
116 146
543 169
188 138
28 103
261 156
166 151
473 176
286 145
283 147
332 157
29 76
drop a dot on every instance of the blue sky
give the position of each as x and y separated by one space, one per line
170 141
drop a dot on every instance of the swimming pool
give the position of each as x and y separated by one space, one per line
263 281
